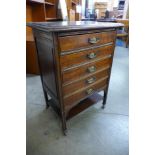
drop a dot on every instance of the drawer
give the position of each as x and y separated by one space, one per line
85 82
68 43
85 70
85 56
77 96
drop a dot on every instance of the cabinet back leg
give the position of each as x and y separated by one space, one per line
64 125
104 98
46 98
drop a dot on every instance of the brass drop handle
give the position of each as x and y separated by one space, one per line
91 55
91 69
93 40
89 91
91 80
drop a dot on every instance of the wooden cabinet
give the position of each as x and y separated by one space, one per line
75 61
37 11
101 8
73 15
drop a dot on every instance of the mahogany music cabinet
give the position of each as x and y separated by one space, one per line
75 60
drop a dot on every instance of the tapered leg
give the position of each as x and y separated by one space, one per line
64 126
104 98
45 93
65 132
46 99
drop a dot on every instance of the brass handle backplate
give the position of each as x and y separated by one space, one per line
89 91
93 40
91 80
91 69
91 55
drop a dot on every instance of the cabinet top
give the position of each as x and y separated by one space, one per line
72 25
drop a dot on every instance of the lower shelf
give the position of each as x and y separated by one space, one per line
93 99
48 19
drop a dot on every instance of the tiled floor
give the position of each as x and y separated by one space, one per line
94 131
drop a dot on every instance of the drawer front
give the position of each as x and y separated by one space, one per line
74 98
85 70
85 82
68 43
85 56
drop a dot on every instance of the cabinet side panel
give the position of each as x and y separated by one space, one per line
46 60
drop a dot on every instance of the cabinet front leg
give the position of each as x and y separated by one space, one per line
64 125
